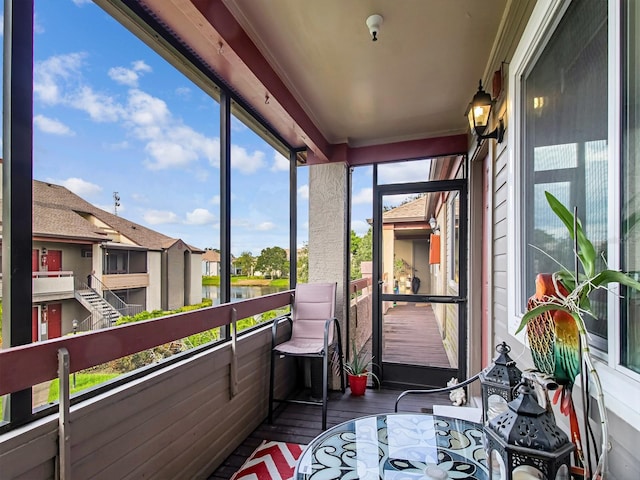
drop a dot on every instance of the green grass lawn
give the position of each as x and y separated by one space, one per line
245 280
83 381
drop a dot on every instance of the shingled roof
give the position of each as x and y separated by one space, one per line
211 256
415 210
60 213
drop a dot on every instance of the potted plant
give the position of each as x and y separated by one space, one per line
358 369
556 329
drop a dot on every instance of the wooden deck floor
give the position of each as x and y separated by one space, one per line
411 335
302 423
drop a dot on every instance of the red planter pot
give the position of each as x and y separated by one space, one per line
358 384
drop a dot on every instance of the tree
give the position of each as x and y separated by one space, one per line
355 242
245 262
303 264
363 252
273 261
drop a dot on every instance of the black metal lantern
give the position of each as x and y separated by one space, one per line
479 112
498 382
528 440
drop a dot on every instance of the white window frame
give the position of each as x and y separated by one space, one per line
621 385
452 247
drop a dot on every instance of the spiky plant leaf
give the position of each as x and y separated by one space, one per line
586 252
538 310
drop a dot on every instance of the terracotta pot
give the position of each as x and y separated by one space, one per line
358 384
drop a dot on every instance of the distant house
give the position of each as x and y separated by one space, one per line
92 266
211 263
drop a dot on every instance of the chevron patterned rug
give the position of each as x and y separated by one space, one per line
270 461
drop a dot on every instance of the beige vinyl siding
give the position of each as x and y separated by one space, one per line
125 280
154 290
173 276
623 462
195 290
500 246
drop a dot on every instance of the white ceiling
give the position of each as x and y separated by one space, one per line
415 82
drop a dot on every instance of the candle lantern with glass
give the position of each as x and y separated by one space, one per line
498 382
527 441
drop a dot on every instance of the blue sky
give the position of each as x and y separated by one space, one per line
110 115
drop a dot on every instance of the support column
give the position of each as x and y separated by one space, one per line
328 234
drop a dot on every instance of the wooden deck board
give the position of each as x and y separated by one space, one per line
295 423
411 335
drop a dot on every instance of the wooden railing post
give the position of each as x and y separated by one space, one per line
64 430
233 377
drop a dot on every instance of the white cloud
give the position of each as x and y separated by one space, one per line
100 107
168 154
396 200
78 186
265 226
129 76
49 74
58 80
364 196
1 24
168 142
124 76
401 172
200 216
184 92
245 162
147 112
141 66
79 3
215 200
157 217
280 163
303 192
360 227
52 125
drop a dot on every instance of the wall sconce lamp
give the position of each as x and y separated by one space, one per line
434 225
479 111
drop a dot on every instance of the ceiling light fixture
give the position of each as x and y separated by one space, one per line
373 24
479 111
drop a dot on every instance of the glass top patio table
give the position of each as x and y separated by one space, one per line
396 446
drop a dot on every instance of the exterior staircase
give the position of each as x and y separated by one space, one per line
103 314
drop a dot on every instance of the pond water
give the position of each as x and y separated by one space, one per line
239 292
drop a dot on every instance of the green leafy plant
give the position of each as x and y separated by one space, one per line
360 363
575 301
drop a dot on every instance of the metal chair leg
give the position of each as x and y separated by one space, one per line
271 386
325 374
